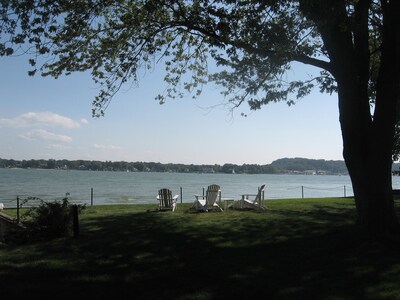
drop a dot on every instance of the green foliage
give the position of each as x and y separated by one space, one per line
49 220
254 42
303 164
136 166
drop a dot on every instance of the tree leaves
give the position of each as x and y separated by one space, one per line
252 42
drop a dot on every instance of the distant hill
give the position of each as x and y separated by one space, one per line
310 166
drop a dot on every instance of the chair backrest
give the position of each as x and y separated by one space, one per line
212 194
260 190
165 197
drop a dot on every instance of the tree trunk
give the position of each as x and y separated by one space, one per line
372 185
367 145
367 138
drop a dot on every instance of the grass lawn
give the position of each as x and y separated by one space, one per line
299 249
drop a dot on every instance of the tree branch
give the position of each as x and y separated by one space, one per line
314 62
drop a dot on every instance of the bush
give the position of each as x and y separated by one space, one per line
49 220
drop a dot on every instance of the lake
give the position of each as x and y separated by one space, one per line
142 187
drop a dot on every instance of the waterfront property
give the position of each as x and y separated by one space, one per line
298 249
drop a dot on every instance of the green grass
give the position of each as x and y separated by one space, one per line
299 249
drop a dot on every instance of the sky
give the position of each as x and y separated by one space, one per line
47 118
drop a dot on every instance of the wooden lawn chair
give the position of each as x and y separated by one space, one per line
246 202
167 202
209 200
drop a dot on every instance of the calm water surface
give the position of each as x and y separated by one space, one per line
130 188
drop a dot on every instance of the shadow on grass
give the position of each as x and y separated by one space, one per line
280 254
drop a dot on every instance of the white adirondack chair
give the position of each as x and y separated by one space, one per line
167 202
209 200
247 202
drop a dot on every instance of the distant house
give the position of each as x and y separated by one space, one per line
208 170
310 172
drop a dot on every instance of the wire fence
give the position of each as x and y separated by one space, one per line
91 198
324 190
302 191
26 201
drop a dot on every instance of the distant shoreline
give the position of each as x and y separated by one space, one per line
295 166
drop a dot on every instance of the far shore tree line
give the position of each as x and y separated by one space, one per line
284 165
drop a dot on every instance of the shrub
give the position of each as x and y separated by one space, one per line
49 220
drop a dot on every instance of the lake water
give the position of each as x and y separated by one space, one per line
142 187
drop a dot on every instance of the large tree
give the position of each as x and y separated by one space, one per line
354 43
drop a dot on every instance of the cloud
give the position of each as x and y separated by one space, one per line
84 121
40 134
48 119
58 147
106 147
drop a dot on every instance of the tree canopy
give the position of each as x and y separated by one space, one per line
254 41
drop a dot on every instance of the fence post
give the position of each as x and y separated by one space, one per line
302 192
344 189
75 220
181 194
17 209
91 197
